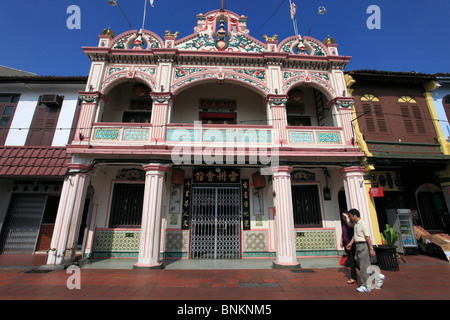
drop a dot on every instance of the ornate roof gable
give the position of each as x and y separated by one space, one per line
142 39
303 46
221 31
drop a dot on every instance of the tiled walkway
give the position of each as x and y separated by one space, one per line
319 263
422 278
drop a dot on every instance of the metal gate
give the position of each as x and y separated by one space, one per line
22 224
215 223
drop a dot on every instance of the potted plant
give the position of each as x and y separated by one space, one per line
387 252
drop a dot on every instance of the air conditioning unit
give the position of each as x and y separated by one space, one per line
52 100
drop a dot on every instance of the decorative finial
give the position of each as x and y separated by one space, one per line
329 40
172 35
274 38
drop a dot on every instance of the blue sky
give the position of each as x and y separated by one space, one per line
414 35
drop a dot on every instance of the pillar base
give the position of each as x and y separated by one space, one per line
53 267
278 265
149 266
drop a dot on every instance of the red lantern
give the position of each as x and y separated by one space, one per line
141 90
178 176
258 180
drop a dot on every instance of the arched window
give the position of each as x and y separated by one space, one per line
369 97
406 99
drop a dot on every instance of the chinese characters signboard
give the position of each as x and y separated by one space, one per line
213 175
246 204
186 204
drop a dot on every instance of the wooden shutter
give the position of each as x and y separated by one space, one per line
43 126
126 209
370 123
409 126
8 104
420 124
306 206
382 127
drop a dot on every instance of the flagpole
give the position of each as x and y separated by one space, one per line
294 20
145 12
295 26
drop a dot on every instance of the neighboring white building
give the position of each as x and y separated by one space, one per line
37 116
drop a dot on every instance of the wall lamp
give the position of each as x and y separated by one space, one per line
320 11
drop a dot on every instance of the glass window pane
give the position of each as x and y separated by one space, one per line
5 98
15 98
4 122
8 110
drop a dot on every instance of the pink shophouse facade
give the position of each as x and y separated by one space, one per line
212 146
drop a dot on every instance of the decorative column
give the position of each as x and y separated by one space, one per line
149 249
356 196
89 106
69 215
444 180
285 237
160 112
344 106
277 105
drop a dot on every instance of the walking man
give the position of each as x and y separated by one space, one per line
364 250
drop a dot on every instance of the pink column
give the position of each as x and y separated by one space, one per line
87 112
149 249
160 112
68 218
344 107
285 237
279 118
355 193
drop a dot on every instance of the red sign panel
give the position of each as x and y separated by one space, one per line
376 192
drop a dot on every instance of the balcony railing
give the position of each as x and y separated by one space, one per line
209 133
115 133
200 134
314 136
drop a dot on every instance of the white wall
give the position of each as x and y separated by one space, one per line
65 121
23 116
250 105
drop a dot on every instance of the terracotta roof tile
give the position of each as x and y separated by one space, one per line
5 152
33 161
26 171
35 152
42 153
40 171
33 171
13 153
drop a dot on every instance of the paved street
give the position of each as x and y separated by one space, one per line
422 278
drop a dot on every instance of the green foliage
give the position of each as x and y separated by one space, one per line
389 236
